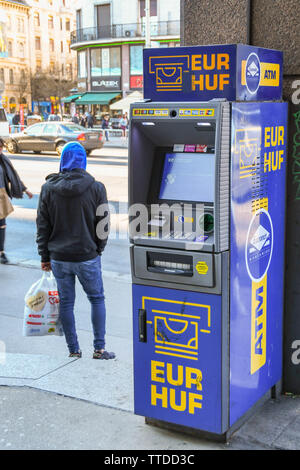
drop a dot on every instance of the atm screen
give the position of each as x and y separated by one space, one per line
188 177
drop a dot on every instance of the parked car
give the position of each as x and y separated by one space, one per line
4 124
115 123
54 117
52 136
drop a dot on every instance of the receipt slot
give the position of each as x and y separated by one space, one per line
207 209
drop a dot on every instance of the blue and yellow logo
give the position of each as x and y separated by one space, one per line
169 73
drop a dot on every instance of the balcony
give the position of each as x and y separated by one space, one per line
125 31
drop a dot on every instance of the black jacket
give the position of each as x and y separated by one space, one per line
67 220
12 182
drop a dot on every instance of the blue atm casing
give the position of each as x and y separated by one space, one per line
209 358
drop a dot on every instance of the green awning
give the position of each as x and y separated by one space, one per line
68 99
96 98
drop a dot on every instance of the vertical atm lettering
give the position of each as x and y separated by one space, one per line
207 205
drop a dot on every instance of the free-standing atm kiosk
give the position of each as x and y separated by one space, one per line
207 162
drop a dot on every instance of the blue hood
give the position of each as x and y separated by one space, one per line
73 156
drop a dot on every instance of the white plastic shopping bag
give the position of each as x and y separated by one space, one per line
41 313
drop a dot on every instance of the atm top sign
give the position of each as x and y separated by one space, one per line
201 73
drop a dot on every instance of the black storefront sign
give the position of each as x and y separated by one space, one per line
112 83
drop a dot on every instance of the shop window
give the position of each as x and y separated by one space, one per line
106 62
136 60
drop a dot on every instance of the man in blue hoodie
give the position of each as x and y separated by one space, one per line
69 245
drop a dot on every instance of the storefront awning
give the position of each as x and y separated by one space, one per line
96 98
68 99
124 104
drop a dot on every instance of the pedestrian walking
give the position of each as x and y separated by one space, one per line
68 243
10 186
75 119
105 126
82 121
16 122
90 121
124 125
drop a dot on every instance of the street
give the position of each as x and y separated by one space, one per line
108 165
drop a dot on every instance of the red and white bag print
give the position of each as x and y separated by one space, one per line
41 313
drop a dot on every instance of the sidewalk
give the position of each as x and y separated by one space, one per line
48 401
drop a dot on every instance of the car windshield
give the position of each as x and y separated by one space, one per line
74 127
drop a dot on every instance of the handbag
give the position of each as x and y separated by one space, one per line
6 206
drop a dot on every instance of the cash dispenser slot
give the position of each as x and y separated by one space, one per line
180 265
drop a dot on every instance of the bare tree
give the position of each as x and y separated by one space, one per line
51 83
22 86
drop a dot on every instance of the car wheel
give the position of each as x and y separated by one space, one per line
12 146
59 147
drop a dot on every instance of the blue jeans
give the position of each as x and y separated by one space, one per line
90 277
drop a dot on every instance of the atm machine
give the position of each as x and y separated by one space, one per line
207 211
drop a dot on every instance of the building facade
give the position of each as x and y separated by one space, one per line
34 39
50 25
15 54
109 40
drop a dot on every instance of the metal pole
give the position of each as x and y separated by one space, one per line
147 24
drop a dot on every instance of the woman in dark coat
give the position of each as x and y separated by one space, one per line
10 186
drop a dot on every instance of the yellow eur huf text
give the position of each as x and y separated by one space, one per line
172 377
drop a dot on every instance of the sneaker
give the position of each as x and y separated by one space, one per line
76 354
3 259
98 354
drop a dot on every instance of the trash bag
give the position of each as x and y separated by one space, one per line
41 313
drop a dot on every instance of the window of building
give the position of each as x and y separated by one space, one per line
61 24
153 8
68 24
21 25
2 77
36 19
23 76
37 43
52 67
38 66
82 71
69 46
8 24
21 50
10 49
50 22
69 70
11 76
61 46
51 45
78 19
106 61
136 60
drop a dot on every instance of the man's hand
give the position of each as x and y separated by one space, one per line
46 266
29 194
